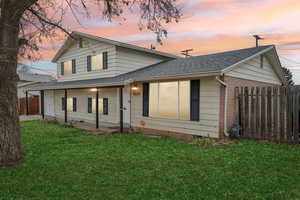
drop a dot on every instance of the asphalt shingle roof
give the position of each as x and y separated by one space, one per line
181 66
197 64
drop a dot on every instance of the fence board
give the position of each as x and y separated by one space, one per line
275 113
258 122
289 113
282 119
296 117
269 114
263 113
252 114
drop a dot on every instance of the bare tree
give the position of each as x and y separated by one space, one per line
23 26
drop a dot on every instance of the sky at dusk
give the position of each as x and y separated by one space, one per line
207 26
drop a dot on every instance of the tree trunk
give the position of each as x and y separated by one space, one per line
10 138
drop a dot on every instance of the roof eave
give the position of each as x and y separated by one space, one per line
180 76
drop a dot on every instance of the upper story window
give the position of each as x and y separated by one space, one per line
97 62
68 67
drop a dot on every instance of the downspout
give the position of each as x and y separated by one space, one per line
226 100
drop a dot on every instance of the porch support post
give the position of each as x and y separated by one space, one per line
121 110
26 101
97 108
66 106
42 104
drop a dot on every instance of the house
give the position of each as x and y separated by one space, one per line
29 77
109 83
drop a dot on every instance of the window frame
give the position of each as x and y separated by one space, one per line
178 102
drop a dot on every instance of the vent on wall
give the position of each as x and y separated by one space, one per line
80 43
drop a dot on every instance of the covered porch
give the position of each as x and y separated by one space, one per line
95 108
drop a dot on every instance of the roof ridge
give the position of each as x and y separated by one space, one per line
235 50
124 43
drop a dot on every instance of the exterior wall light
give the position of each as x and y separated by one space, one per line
135 90
93 90
135 87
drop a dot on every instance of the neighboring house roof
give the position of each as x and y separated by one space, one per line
75 34
26 74
205 65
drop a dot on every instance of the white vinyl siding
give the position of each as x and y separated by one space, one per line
119 60
130 60
208 125
82 105
252 70
90 48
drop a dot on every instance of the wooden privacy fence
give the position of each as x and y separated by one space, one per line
33 105
268 113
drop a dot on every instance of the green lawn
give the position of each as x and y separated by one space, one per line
64 163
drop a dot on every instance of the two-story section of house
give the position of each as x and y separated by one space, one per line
108 83
86 57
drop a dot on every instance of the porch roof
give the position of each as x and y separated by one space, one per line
197 66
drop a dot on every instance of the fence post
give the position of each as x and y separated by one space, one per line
282 119
296 116
246 112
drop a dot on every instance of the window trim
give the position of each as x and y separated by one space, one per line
193 106
74 108
62 68
105 101
90 109
178 104
73 66
105 60
63 104
89 63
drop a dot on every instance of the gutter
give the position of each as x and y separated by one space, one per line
226 101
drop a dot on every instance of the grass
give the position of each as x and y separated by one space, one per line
65 163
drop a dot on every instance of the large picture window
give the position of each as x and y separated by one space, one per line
170 100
